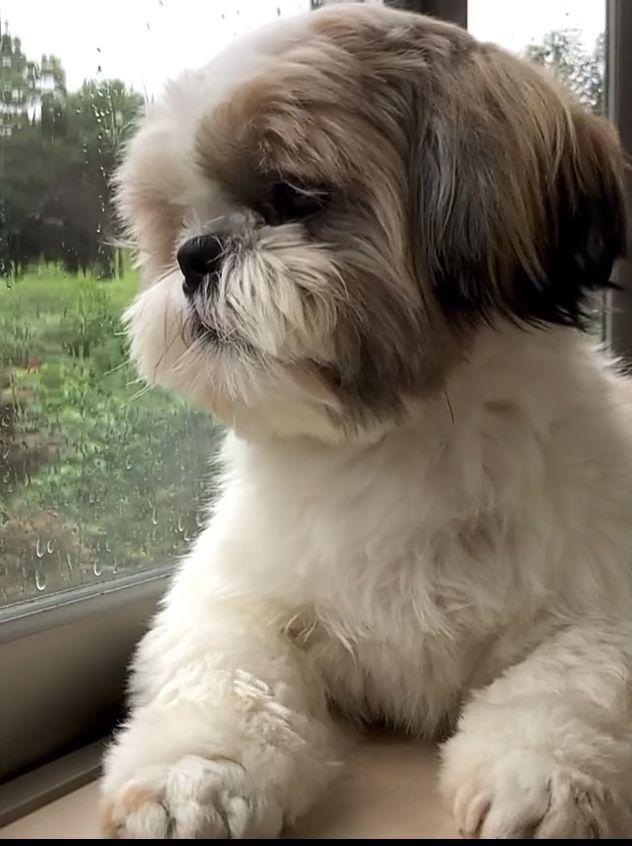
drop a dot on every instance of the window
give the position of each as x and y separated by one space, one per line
565 36
101 478
102 483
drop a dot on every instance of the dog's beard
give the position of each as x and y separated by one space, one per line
244 346
173 347
274 299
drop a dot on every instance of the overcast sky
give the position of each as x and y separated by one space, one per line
145 41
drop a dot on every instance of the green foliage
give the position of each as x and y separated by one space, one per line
97 476
55 197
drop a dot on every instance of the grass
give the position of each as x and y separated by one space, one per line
96 477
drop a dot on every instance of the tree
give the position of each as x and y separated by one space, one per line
56 164
581 71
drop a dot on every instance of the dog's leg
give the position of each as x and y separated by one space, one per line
546 750
229 736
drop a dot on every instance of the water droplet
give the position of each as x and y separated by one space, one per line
69 562
96 568
38 549
50 547
40 581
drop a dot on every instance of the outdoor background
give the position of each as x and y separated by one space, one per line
99 476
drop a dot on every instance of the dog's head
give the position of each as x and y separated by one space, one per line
327 213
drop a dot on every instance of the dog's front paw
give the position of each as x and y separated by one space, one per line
192 798
523 794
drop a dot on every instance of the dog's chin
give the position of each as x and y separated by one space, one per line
204 332
255 395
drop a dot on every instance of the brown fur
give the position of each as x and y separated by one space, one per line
464 186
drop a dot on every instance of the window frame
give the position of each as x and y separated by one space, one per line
104 621
450 10
70 651
619 110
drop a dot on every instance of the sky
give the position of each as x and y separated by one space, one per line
145 42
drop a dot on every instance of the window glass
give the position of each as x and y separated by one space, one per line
567 36
98 476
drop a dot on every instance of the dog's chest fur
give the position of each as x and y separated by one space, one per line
389 577
418 567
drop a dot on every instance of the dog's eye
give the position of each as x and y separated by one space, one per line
289 202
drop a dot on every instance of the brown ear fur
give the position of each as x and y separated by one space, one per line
520 193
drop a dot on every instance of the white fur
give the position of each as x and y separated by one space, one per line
401 576
468 565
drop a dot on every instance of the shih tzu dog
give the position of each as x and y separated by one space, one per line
369 244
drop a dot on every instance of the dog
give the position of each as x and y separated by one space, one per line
370 245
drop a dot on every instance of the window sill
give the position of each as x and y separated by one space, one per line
67 658
389 791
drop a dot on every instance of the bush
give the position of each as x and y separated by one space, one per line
97 476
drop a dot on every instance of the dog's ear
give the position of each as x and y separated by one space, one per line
586 223
519 194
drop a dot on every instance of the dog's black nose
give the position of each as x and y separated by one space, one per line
200 258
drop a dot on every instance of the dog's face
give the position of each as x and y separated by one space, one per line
327 214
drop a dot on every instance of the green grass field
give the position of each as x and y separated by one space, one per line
97 476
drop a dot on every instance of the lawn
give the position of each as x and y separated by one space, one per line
97 475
